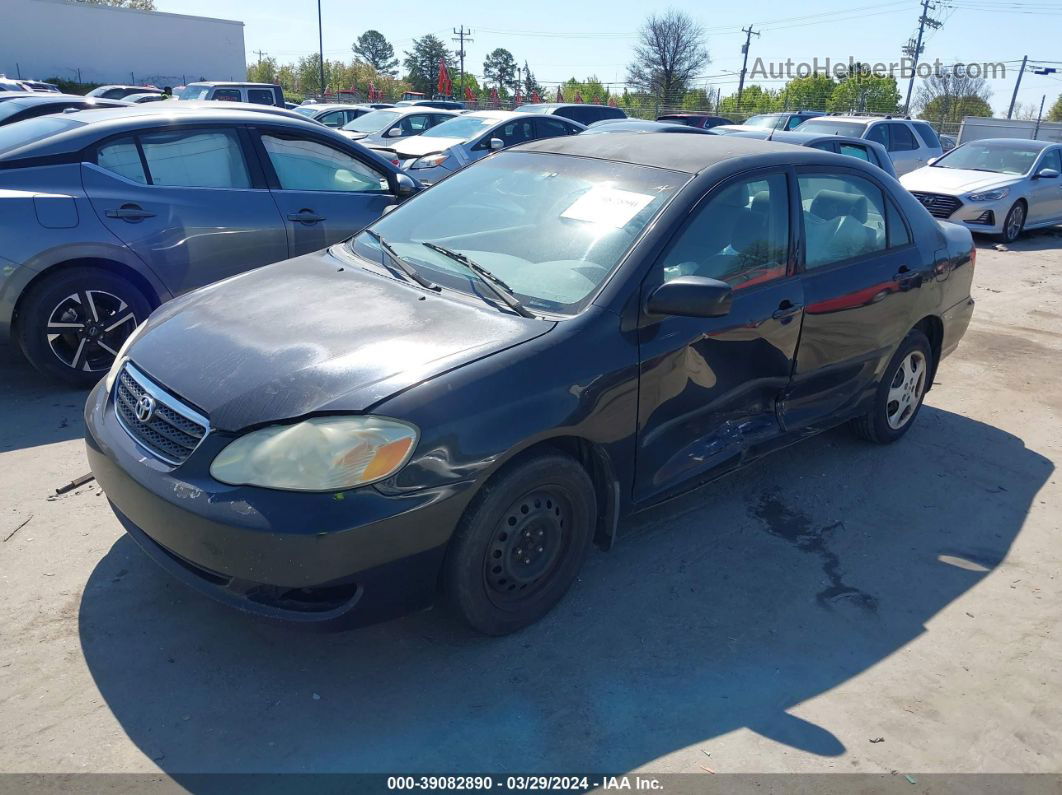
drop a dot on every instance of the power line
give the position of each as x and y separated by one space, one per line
914 49
462 37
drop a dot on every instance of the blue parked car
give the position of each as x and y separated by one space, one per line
105 214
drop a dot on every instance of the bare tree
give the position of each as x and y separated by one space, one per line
951 87
140 5
670 51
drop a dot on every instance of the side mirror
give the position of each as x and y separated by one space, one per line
690 296
1047 173
495 144
394 132
406 186
932 160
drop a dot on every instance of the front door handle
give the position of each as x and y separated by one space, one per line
129 212
786 309
305 216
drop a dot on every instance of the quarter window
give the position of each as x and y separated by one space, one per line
195 159
308 165
740 235
898 235
123 158
855 150
844 217
228 94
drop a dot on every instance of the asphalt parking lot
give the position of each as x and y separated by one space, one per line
836 607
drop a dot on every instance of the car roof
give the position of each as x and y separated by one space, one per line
687 153
231 83
41 98
405 110
1027 142
336 106
95 124
142 89
642 125
545 107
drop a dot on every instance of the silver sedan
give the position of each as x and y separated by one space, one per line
998 186
457 142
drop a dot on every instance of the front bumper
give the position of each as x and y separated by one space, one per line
985 217
336 559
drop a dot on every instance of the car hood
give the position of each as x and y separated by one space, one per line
954 180
317 333
418 146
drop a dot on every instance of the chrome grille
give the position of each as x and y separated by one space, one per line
939 205
171 431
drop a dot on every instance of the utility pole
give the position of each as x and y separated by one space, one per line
320 46
461 36
1039 116
915 50
259 53
1017 84
749 33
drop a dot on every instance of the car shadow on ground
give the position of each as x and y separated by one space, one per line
1046 239
724 609
36 409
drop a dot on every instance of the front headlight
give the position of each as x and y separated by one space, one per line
120 358
318 454
989 195
430 161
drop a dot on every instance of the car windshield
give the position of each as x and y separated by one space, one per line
552 227
1003 157
195 92
769 121
306 110
834 127
25 132
372 122
463 127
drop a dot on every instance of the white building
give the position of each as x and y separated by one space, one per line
101 44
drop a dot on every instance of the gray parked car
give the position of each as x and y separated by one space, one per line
381 127
455 143
333 114
31 105
121 92
105 214
871 151
911 143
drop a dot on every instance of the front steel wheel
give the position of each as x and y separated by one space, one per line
520 544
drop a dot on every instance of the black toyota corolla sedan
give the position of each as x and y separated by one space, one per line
456 402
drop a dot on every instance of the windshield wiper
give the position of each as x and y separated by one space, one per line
400 263
496 285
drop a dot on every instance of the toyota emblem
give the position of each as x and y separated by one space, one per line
145 408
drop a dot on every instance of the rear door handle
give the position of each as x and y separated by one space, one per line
786 309
305 217
129 212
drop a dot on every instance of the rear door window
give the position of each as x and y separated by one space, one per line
195 159
550 128
844 217
855 150
900 138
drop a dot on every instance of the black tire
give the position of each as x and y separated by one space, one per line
87 302
1012 224
493 578
875 425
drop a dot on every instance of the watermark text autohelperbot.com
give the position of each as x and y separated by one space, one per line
901 69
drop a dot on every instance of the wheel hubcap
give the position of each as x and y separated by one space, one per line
86 329
527 545
906 390
1017 216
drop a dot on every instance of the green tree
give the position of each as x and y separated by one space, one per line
422 63
499 69
308 75
531 85
696 99
952 87
669 52
265 71
372 48
139 5
865 93
1055 114
950 109
807 93
754 99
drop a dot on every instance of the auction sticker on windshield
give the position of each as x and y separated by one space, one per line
608 206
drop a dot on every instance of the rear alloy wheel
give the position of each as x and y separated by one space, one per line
71 325
1014 223
900 393
521 544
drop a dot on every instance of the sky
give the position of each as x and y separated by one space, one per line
563 39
